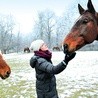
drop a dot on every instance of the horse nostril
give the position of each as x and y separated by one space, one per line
65 48
7 73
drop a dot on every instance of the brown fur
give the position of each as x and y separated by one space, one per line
84 31
4 68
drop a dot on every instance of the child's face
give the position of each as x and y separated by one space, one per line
44 47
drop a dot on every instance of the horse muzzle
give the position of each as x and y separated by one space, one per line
65 48
6 75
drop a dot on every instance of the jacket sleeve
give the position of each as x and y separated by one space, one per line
33 61
50 68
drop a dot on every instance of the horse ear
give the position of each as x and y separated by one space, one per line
81 10
91 7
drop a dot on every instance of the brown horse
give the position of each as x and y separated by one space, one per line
84 31
56 48
27 50
4 68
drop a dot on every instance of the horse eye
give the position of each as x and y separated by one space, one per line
85 21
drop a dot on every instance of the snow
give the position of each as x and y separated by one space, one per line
80 76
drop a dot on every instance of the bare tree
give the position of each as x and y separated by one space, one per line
6 33
18 42
41 25
45 25
49 25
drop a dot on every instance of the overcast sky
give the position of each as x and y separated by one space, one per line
25 11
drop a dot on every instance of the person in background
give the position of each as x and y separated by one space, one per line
45 70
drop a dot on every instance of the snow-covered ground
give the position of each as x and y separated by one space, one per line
78 80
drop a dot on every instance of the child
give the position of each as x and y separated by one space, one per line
45 70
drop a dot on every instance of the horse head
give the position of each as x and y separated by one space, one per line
4 68
84 31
